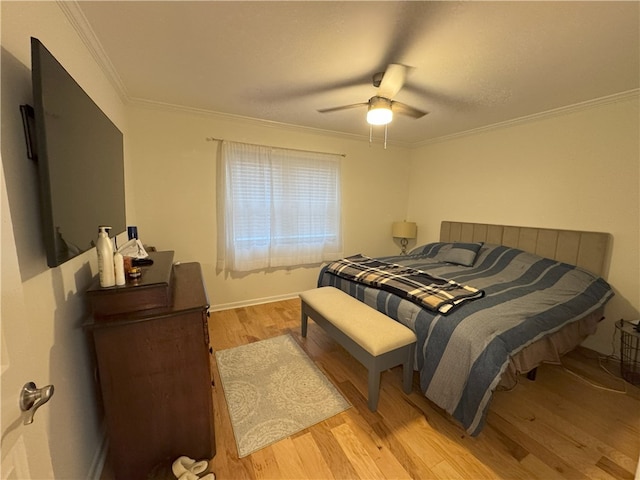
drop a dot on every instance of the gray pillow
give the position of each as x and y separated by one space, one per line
463 253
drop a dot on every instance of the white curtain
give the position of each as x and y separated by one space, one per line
277 207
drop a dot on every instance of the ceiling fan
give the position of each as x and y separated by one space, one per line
381 106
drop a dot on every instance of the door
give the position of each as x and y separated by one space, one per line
24 448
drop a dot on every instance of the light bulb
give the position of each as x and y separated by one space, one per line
379 116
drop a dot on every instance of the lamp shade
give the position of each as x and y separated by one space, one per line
404 229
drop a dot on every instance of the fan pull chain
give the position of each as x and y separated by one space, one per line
371 136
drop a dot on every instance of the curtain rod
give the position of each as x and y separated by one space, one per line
213 139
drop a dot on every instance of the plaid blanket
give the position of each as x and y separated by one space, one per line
434 293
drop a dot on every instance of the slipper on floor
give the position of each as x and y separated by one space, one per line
185 464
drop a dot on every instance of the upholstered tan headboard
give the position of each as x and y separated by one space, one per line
588 250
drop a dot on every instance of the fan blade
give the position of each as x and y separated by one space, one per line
407 110
392 81
343 107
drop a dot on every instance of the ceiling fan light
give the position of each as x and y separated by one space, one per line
379 116
379 111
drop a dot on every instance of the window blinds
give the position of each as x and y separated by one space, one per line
279 207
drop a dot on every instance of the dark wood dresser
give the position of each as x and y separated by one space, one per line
152 348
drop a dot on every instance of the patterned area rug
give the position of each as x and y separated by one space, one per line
274 390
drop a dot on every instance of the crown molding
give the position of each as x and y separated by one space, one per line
556 112
596 102
81 25
168 107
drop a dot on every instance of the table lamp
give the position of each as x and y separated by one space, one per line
404 231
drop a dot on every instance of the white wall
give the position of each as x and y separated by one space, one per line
43 309
577 171
175 186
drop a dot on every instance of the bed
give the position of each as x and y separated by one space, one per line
538 293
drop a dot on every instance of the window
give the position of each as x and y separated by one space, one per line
277 207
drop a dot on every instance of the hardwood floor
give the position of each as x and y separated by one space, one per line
558 427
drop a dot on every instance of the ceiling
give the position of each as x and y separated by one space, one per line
473 64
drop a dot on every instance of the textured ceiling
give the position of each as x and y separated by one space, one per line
473 64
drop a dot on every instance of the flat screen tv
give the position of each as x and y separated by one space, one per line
80 161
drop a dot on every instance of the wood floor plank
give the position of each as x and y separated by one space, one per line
313 462
331 450
539 450
618 424
413 464
558 434
426 442
356 453
614 469
539 470
598 434
289 462
386 462
265 464
448 443
443 470
415 433
558 427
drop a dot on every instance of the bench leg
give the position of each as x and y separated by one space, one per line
407 370
374 389
304 319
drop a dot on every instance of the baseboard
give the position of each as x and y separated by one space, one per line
248 303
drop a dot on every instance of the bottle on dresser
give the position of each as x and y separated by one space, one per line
104 247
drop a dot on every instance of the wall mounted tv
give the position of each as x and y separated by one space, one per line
80 161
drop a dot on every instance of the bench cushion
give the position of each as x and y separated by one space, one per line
372 330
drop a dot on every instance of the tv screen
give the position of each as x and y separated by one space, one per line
80 161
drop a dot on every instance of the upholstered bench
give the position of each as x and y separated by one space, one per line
375 340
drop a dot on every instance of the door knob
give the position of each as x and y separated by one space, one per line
32 398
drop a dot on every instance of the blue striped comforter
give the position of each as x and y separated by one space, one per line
461 356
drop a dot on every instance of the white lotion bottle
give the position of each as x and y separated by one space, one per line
118 263
104 247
